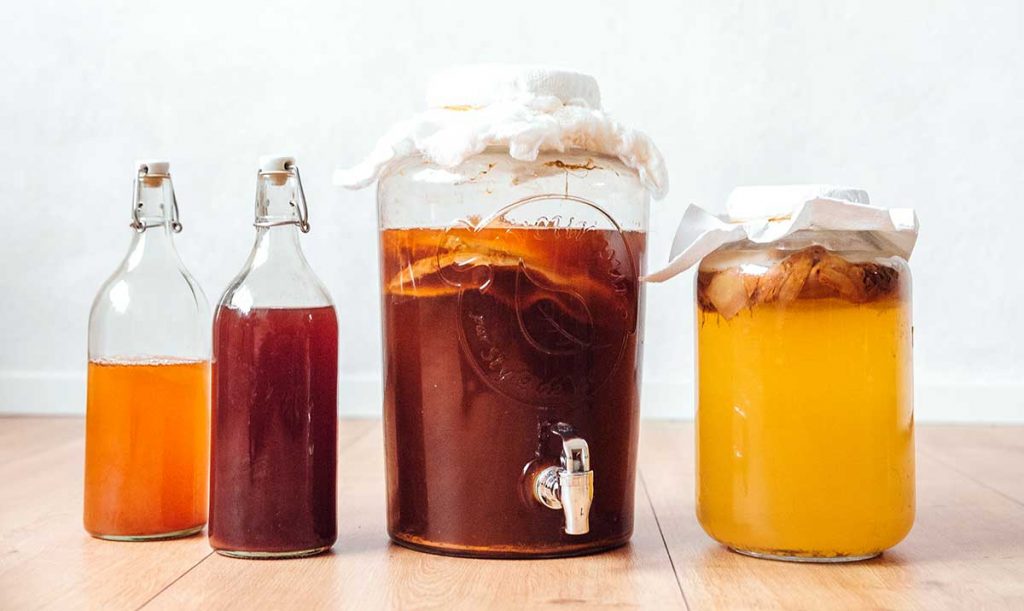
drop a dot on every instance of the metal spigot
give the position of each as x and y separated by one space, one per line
571 486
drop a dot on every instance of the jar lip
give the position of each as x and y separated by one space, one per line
571 160
502 151
837 242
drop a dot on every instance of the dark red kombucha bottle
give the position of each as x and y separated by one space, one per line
275 376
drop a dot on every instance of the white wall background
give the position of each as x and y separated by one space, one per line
920 102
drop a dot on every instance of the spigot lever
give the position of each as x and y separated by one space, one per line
569 487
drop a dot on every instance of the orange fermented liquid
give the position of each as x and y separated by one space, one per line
147 448
805 427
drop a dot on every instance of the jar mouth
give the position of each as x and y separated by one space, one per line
460 107
701 233
858 246
740 220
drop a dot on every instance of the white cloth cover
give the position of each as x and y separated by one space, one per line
770 213
528 110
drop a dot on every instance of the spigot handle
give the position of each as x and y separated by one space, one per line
575 455
569 487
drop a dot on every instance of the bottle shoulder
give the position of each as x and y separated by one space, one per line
275 284
145 290
136 315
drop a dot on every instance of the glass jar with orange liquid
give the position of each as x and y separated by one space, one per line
147 419
804 416
512 314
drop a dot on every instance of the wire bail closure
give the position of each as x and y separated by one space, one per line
137 224
299 203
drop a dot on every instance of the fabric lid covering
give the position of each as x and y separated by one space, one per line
526 109
769 213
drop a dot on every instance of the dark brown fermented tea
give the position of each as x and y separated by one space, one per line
493 337
275 423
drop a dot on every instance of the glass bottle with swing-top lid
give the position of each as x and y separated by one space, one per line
275 376
147 415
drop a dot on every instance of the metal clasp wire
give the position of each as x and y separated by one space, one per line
300 205
137 223
303 209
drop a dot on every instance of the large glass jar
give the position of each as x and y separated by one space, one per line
805 419
513 326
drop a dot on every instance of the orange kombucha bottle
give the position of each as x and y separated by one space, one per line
148 408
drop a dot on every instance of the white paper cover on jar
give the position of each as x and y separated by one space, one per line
525 109
766 214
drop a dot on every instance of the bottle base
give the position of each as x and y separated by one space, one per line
176 534
256 555
806 559
506 552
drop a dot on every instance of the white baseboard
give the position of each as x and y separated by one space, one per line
63 393
42 392
31 392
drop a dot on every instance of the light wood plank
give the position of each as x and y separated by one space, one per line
47 559
366 572
990 455
25 436
966 549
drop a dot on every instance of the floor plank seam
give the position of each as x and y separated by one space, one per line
664 542
374 426
175 580
953 467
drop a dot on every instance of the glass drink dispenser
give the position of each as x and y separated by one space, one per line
513 224
805 446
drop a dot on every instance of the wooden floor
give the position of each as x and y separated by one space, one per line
966 549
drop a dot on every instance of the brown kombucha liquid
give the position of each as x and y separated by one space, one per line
491 337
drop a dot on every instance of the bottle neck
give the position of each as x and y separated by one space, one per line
155 205
278 201
154 246
154 219
278 220
280 242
